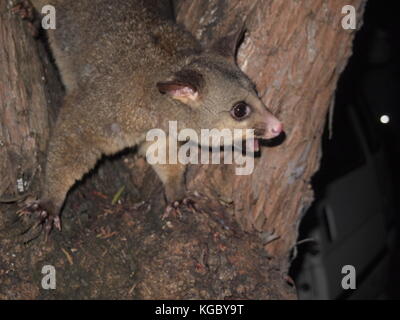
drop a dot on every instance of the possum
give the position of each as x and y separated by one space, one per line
128 69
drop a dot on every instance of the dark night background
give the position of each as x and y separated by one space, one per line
355 218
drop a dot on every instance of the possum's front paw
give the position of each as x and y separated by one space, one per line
174 207
176 196
174 192
46 214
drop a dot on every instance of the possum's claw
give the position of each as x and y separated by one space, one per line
46 218
173 208
190 203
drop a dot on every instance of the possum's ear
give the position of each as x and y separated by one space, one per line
228 45
184 86
179 91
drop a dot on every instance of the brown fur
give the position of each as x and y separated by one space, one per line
115 59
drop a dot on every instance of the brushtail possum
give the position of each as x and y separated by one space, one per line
127 69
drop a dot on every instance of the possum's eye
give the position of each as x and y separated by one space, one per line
240 110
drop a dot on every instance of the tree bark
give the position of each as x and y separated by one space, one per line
29 89
237 241
295 53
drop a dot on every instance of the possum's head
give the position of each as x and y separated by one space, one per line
220 94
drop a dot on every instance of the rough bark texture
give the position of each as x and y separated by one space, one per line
294 51
236 243
27 88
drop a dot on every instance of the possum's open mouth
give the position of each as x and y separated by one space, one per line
254 144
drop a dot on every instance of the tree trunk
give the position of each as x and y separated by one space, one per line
28 85
294 52
236 242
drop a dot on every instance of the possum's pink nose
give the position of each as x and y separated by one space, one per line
274 129
277 129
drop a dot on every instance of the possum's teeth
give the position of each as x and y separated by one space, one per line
253 145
